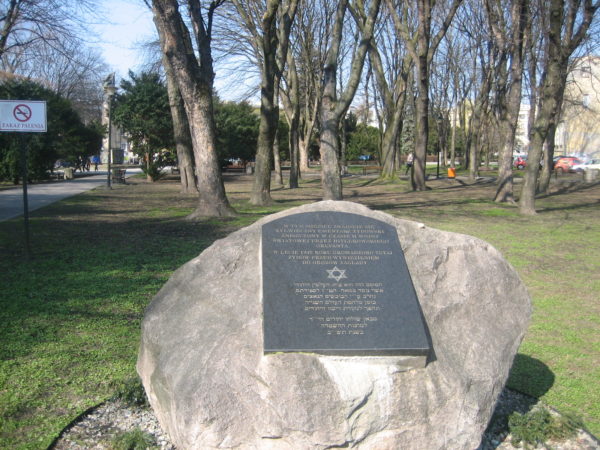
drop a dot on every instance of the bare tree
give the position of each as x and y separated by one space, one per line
266 29
291 102
569 21
422 46
195 79
74 71
24 23
392 67
311 36
333 108
509 24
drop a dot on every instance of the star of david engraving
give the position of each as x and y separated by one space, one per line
336 274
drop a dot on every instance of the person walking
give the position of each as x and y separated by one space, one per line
409 162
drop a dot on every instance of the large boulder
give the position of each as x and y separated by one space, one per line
202 363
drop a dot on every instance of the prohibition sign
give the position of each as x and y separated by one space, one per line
22 113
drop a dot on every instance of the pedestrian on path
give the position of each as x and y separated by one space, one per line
409 162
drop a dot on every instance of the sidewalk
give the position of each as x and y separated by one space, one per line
40 195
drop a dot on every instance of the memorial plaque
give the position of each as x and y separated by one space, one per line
337 283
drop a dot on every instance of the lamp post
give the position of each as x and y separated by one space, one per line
109 92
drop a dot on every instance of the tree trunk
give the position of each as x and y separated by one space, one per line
475 128
195 82
552 93
303 149
269 113
547 167
213 201
181 131
330 170
306 134
422 101
393 99
510 118
389 145
277 160
453 138
343 147
294 139
574 19
291 103
334 109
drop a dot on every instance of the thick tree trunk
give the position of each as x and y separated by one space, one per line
195 82
181 131
212 201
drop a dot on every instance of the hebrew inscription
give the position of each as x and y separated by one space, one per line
338 283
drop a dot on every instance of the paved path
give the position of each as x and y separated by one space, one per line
39 195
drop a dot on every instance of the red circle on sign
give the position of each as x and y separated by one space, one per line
22 113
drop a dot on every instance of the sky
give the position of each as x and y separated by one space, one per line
129 24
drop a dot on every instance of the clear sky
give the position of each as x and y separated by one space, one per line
129 23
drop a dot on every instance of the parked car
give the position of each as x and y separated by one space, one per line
520 162
591 164
566 163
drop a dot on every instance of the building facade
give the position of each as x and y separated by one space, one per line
578 132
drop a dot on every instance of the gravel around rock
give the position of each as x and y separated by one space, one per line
98 428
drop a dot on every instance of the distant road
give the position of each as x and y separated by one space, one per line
40 195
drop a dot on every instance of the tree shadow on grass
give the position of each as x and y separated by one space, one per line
530 376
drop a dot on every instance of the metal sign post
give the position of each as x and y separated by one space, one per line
23 116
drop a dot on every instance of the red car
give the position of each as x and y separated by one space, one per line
520 162
566 163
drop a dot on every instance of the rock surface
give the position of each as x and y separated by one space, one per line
202 364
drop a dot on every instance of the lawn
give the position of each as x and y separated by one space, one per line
71 315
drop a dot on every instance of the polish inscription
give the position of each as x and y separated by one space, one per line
338 283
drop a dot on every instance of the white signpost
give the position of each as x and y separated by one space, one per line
23 116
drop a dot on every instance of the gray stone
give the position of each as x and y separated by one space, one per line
202 363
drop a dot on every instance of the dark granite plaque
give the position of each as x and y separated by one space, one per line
337 283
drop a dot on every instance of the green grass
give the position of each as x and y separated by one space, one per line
557 255
71 316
